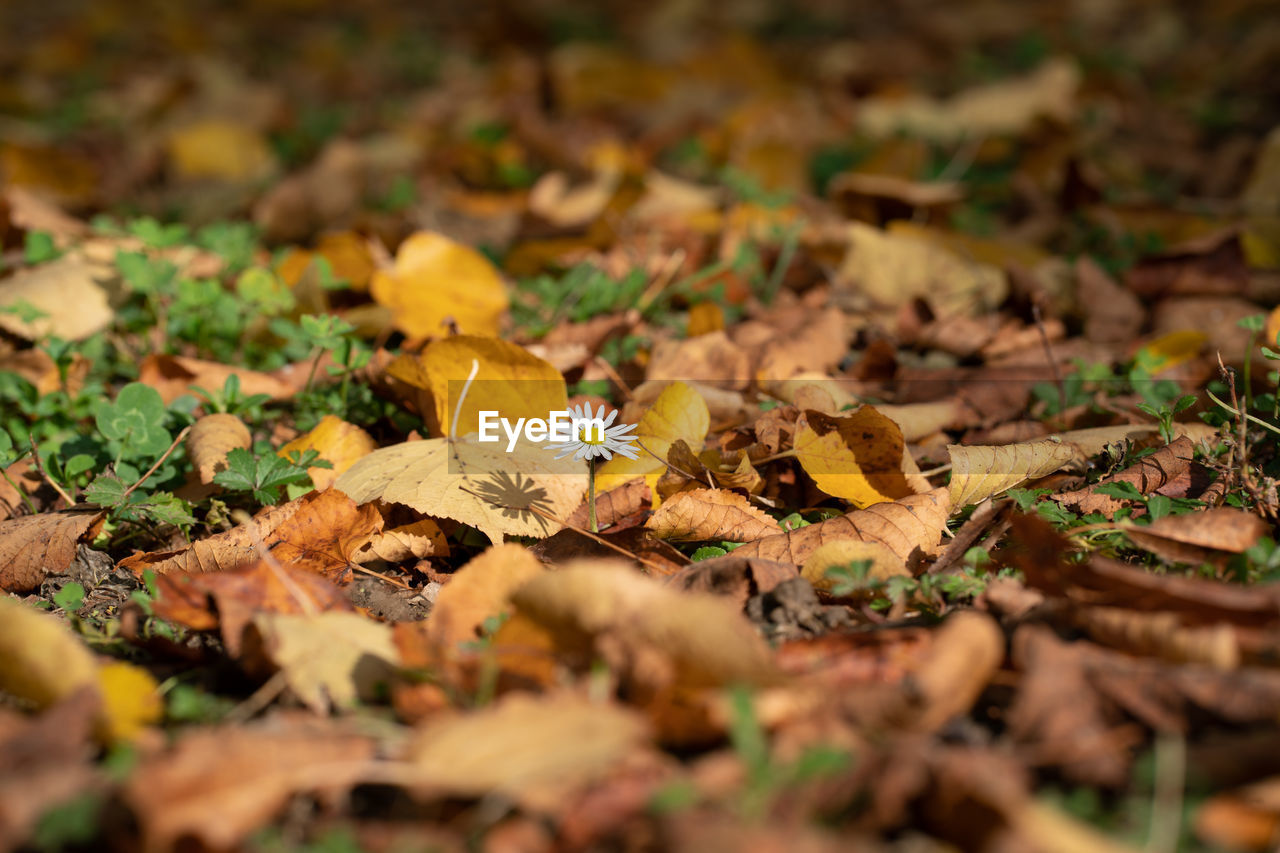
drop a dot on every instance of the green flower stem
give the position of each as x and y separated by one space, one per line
591 495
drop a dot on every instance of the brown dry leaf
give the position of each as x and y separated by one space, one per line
534 749
893 270
508 379
1246 818
859 457
993 109
552 199
965 654
228 600
818 345
319 531
1160 635
708 358
435 281
652 635
522 493
33 546
338 442
1148 475
410 541
706 514
909 528
173 376
1057 713
328 659
73 305
979 472
218 785
325 193
841 553
733 577
1200 537
211 438
614 505
480 589
1113 315
1093 440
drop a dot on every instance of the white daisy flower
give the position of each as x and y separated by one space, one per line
595 437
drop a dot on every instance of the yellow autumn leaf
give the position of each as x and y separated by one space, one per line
338 442
508 380
859 457
979 472
1171 350
436 280
219 149
841 554
130 700
521 493
679 412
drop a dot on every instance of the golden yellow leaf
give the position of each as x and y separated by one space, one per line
130 700
526 747
73 305
841 553
704 318
338 442
219 149
705 514
328 659
679 412
41 661
649 633
894 269
860 457
979 472
436 280
211 438
509 380
480 589
498 493
1170 350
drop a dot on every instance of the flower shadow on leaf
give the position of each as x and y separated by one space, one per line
518 496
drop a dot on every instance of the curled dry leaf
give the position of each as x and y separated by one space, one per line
842 553
707 514
338 442
736 578
418 540
858 457
653 635
966 653
1200 537
534 749
1148 475
908 528
211 438
319 531
1162 635
614 505
977 473
32 546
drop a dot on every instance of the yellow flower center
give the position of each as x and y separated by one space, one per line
591 435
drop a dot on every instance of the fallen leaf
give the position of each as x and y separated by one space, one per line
679 412
533 749
1147 475
1200 537
174 376
71 303
909 528
32 546
220 784
711 357
652 635
328 659
966 653
859 457
509 380
841 553
733 577
711 514
553 199
219 149
417 540
337 442
435 281
523 493
479 590
979 472
211 438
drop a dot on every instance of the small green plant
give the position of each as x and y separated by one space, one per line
38 247
582 292
264 476
1165 413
